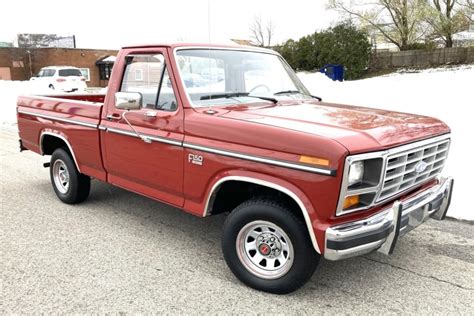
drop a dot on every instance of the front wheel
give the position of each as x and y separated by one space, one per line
69 184
267 247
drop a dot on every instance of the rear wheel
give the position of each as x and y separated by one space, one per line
69 184
267 247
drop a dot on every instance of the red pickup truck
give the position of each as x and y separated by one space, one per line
216 129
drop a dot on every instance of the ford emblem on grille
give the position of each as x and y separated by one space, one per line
420 167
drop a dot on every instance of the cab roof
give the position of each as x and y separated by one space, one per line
203 45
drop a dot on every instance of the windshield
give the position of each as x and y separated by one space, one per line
220 77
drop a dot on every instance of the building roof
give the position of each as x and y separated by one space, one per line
106 60
244 42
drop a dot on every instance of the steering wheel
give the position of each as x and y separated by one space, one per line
259 86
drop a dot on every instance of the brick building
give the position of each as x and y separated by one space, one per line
21 64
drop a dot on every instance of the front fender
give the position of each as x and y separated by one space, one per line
275 183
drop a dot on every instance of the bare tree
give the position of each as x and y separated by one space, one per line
468 4
446 18
399 21
262 32
270 31
36 40
468 9
257 30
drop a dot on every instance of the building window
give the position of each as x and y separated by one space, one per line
138 75
86 73
17 64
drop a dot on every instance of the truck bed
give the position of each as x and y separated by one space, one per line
74 118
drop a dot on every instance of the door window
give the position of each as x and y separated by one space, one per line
166 98
147 75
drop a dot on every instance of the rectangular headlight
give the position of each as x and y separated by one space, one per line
356 172
362 175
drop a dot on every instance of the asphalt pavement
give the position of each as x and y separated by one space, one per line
121 252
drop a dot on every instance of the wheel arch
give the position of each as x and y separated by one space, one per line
50 141
284 188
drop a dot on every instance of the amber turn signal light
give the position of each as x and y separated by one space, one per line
314 160
351 201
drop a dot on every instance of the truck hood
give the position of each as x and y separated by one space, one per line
358 129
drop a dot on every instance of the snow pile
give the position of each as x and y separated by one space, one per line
444 93
9 91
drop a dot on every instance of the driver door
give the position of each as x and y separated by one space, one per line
153 167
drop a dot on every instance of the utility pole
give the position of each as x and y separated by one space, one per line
29 63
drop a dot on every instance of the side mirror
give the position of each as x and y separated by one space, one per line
128 100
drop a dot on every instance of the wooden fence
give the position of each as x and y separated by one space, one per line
422 58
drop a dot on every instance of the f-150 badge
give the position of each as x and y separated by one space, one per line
195 159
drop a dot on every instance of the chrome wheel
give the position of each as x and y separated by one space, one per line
265 249
61 176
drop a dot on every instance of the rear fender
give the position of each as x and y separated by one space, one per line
61 136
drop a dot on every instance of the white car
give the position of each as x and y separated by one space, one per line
60 78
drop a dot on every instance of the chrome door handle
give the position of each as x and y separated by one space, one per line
111 117
150 114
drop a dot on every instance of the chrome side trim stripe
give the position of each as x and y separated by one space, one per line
132 134
328 172
59 119
280 163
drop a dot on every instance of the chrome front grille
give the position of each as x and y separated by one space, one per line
409 168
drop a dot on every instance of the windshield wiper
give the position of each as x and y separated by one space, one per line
236 94
288 92
297 92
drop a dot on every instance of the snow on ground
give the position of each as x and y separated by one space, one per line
9 91
445 93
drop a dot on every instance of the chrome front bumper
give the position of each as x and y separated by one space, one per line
381 231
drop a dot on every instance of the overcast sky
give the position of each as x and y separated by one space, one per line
113 24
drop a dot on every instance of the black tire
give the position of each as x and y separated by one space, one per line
78 186
305 258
